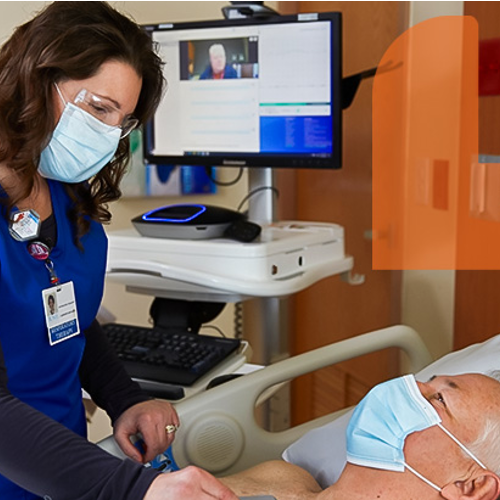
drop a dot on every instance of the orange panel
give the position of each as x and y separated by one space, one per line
425 150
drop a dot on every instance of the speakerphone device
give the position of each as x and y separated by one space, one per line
186 221
196 222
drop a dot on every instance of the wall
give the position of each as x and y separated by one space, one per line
14 13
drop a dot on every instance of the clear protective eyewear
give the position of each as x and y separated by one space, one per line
105 111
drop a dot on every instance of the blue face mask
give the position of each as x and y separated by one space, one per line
80 146
380 423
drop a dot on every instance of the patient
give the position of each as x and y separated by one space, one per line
405 440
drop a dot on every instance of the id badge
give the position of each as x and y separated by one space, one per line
61 315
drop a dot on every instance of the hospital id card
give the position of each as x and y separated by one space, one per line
61 315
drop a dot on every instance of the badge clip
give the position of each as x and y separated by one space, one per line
24 225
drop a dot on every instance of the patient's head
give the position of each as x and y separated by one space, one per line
469 406
439 439
217 55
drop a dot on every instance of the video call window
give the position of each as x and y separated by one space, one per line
219 59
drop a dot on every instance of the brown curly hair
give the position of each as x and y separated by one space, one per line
69 40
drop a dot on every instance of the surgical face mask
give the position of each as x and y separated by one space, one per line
80 146
380 423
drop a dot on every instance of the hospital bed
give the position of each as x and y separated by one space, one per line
219 431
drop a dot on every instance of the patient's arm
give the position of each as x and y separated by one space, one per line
278 478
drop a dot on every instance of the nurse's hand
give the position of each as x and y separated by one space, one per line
190 483
151 419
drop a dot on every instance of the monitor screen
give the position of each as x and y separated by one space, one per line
247 92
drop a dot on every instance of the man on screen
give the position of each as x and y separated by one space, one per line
218 69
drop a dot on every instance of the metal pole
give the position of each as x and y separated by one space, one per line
265 320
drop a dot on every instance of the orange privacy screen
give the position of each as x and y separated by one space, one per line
434 205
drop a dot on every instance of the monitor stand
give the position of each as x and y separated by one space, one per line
265 319
262 197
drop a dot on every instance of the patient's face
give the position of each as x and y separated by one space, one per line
463 403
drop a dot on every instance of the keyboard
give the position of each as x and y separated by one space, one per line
172 358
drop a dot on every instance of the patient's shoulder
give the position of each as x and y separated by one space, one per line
277 477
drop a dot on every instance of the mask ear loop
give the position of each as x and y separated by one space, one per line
464 449
60 94
424 479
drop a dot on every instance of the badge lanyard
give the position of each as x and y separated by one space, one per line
40 251
25 226
59 301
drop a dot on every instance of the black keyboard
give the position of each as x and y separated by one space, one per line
173 358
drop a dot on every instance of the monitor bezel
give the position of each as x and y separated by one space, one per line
272 160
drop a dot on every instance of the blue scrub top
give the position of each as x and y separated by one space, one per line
41 375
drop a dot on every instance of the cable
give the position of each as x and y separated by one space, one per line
208 171
216 328
255 191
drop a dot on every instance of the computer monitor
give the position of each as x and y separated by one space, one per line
250 93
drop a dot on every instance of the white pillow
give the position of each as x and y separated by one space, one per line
322 451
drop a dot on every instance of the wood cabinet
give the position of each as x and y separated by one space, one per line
477 311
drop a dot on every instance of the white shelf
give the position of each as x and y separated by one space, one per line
289 257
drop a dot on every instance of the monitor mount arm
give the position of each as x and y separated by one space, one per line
350 84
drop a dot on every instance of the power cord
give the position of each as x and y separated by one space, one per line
255 191
208 171
216 328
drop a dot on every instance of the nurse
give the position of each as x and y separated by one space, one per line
74 82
